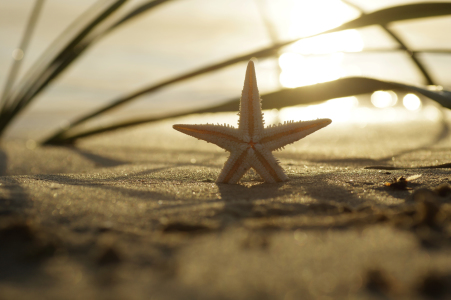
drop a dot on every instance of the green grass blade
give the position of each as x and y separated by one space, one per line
343 87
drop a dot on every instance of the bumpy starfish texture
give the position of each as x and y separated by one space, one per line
250 144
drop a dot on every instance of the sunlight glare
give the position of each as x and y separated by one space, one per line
342 41
318 59
411 102
338 110
383 99
309 17
348 110
300 71
288 59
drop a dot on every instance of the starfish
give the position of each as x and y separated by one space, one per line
250 145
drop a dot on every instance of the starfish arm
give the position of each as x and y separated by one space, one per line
251 117
226 137
276 137
235 167
250 144
266 165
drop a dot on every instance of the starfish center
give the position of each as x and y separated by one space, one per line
252 144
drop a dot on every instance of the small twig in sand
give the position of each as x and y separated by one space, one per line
442 166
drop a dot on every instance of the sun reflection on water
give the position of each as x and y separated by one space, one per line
299 71
411 102
336 109
348 110
320 59
309 17
342 41
383 99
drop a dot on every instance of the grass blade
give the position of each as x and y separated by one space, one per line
31 24
136 12
36 82
47 72
381 17
343 87
413 56
71 51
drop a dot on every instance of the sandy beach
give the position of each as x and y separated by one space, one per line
136 214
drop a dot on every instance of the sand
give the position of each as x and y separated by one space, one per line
136 214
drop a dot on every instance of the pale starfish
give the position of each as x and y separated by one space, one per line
250 144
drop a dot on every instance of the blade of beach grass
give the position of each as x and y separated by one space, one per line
22 50
36 82
438 51
53 63
82 33
384 16
422 68
343 87
271 30
62 41
413 56
382 50
140 9
94 33
400 13
67 36
265 17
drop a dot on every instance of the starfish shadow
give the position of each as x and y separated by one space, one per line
242 202
319 188
250 191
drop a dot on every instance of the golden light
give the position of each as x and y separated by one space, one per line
318 59
339 110
411 102
299 71
382 99
342 41
286 60
309 17
300 67
322 58
347 110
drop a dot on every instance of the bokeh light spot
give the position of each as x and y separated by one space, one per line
411 102
18 54
383 99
